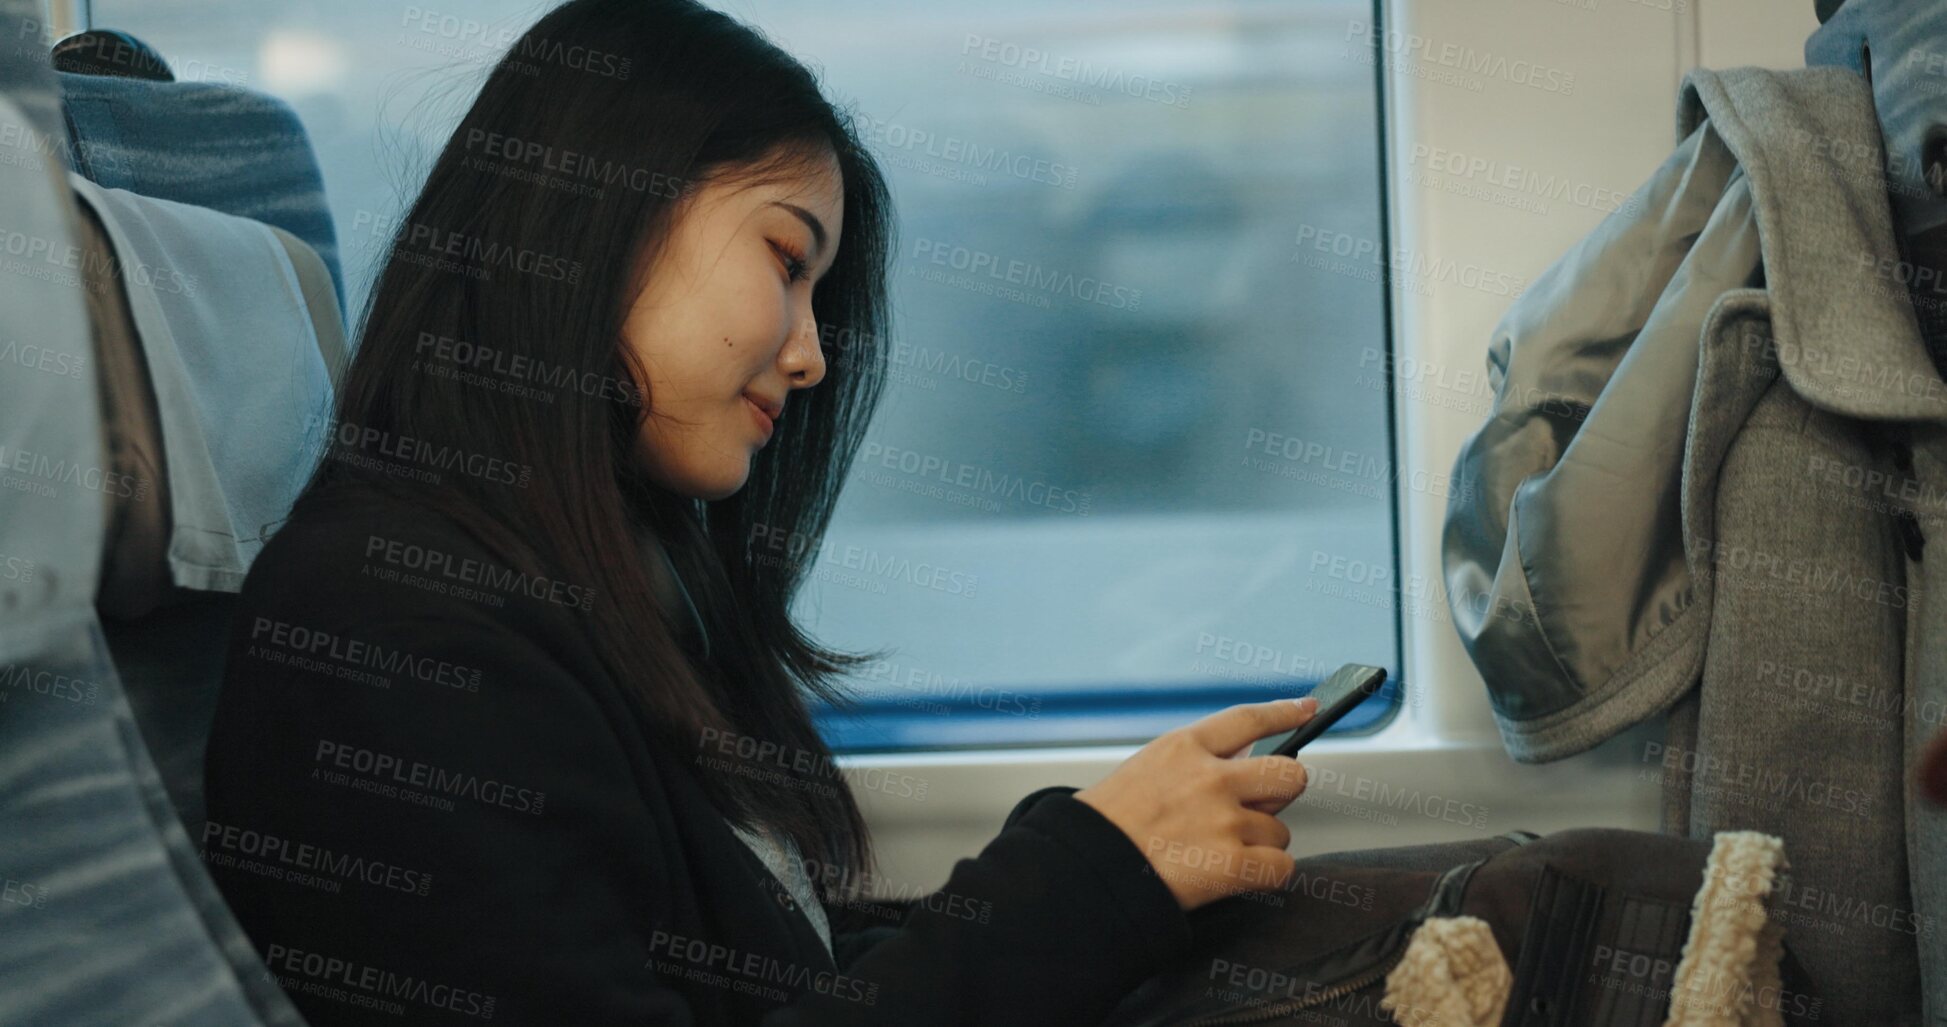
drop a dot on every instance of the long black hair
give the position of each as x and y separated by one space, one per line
494 330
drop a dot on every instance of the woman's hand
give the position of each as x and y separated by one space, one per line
1207 822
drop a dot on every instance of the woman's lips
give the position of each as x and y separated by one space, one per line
764 422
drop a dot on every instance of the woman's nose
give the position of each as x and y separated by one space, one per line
803 359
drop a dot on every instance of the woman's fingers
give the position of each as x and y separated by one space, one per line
1226 731
1277 864
1263 829
1273 780
1208 823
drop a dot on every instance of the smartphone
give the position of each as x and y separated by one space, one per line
1348 686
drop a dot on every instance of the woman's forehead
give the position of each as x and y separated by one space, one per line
816 186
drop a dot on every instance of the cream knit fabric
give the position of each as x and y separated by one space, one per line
1729 973
1452 974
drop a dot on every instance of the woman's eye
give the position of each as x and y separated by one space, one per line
794 265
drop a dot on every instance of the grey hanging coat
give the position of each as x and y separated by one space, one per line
1717 446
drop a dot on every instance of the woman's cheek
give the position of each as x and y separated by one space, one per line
760 315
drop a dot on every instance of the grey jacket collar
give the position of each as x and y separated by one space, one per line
1842 322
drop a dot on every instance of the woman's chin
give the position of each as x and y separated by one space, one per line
720 487
706 480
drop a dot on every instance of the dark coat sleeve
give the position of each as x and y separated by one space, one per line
547 900
1077 921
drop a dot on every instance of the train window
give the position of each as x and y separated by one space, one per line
1134 460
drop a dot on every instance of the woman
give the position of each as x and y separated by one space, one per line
513 723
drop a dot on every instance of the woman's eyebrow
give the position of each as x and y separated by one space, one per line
811 221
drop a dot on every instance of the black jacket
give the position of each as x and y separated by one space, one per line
429 804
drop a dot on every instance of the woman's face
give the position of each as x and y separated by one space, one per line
724 329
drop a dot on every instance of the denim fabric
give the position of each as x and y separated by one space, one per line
1905 38
106 915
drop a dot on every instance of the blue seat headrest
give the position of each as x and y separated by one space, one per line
211 144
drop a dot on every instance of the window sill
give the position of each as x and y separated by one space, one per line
994 719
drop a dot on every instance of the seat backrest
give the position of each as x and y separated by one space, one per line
219 380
